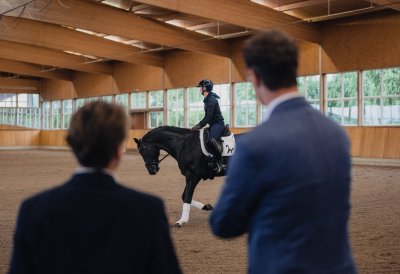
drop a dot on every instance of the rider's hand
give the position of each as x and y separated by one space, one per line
196 128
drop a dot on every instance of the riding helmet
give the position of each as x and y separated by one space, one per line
208 84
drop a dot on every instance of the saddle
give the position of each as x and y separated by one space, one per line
227 141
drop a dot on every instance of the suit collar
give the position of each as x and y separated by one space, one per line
93 179
278 101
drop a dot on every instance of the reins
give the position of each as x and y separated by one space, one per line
163 158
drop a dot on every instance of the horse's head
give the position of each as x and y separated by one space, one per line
150 154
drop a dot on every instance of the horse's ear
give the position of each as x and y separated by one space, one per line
138 141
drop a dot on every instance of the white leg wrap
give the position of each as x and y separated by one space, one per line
197 204
185 212
185 215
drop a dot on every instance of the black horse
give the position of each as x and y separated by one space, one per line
184 146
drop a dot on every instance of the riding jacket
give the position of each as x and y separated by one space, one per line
212 110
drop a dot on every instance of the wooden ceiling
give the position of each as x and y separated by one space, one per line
54 38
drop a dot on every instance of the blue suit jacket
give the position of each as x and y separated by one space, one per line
288 186
92 225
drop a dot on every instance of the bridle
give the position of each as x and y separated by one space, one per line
151 162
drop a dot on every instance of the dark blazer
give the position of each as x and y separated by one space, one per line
91 224
288 186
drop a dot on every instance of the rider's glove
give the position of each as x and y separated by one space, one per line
196 128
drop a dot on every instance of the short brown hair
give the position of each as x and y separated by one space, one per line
273 55
95 133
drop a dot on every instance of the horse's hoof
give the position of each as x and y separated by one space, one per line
180 224
207 207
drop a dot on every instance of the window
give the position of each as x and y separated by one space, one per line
28 100
156 99
107 98
35 116
12 115
2 116
79 103
46 115
224 92
122 99
21 117
8 100
156 103
56 114
245 105
309 87
341 97
175 107
91 99
156 119
195 106
138 100
67 113
381 97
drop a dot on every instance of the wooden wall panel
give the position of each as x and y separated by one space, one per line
309 58
130 77
19 137
138 120
87 84
238 66
367 142
134 133
392 148
375 142
54 138
57 89
2 127
17 85
355 137
352 45
186 69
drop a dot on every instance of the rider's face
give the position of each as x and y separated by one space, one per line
202 90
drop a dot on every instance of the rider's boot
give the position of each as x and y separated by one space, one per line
219 164
217 146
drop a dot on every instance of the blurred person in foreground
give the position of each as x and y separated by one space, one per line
91 224
288 183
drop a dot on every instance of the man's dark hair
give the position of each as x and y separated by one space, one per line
273 55
95 133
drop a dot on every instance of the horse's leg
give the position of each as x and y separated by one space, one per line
200 205
196 204
191 183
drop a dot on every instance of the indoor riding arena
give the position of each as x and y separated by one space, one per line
149 56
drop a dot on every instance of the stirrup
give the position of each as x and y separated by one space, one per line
219 167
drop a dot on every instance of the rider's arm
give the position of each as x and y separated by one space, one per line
212 102
239 196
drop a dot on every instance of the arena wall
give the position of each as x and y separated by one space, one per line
349 44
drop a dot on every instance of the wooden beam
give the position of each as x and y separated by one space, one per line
242 13
19 85
50 57
43 34
204 26
101 18
299 5
390 4
21 68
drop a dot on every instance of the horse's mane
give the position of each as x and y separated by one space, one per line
165 129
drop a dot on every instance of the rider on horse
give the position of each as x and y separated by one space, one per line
213 117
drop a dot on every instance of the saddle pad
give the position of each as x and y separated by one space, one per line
228 144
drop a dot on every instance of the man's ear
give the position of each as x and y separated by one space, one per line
253 77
